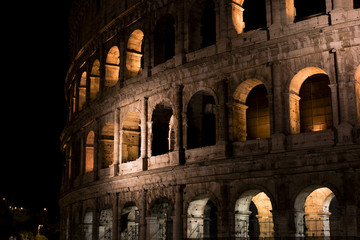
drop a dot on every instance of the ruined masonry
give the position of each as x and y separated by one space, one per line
212 119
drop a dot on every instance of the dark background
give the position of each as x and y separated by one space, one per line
34 37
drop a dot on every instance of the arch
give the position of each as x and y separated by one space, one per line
161 129
251 117
95 79
130 222
89 151
312 215
303 11
88 224
248 15
82 90
134 54
164 39
311 74
357 91
202 25
253 215
160 220
107 145
201 120
130 138
105 223
202 218
112 67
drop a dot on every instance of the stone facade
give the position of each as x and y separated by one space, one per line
196 120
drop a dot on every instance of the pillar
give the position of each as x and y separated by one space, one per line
179 144
239 126
143 215
224 125
115 166
144 154
115 220
178 228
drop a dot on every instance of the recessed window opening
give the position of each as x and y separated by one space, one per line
131 138
308 8
161 127
82 91
130 222
95 80
89 152
105 224
202 25
254 14
201 121
164 40
356 4
107 145
315 104
257 113
202 218
134 54
88 224
161 224
112 67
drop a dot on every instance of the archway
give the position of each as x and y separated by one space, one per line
164 39
88 224
253 216
312 213
107 145
112 67
131 138
202 25
130 222
201 118
357 91
134 54
105 224
251 117
303 11
89 152
95 79
161 129
82 91
316 104
202 218
160 220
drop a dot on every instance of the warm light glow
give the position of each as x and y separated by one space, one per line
237 15
112 67
134 54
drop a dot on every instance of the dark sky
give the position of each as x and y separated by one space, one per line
34 40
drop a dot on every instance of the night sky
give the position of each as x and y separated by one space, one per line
34 40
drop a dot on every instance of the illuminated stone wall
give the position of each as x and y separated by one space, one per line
182 128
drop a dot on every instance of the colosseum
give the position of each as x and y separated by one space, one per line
212 119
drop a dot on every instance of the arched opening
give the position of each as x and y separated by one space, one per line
112 67
82 91
253 216
201 129
161 126
307 8
130 222
315 104
356 4
88 224
254 14
95 79
105 224
134 54
202 218
89 151
251 111
357 92
164 39
257 113
202 25
107 145
313 218
160 221
131 138
316 114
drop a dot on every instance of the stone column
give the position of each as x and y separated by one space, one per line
143 215
144 154
178 228
115 167
179 144
239 126
115 220
225 117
